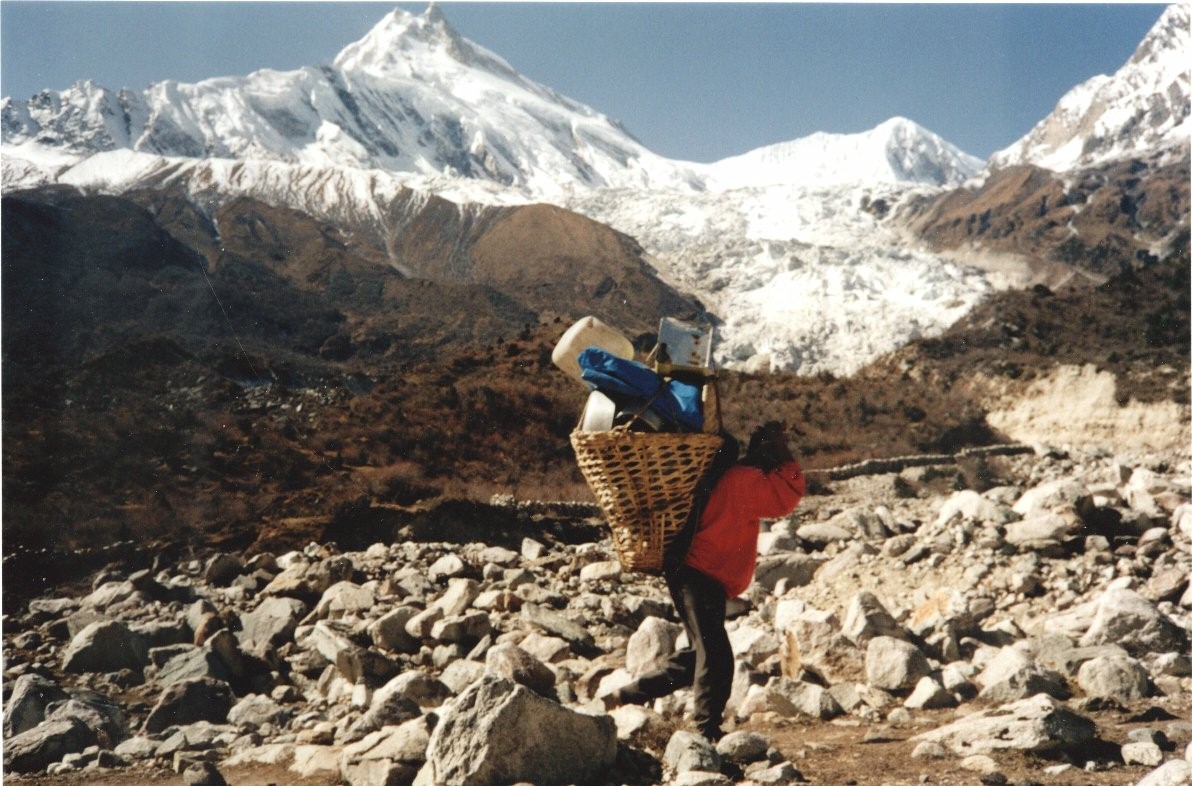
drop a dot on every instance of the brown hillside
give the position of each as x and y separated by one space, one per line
1095 222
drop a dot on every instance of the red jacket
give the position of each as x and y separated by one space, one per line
725 545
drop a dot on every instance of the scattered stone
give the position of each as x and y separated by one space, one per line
687 752
498 732
49 742
1116 677
106 645
203 774
893 664
1037 724
1146 753
203 699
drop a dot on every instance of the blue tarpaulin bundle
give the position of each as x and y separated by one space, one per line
676 402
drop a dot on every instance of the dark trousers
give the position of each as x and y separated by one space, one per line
707 666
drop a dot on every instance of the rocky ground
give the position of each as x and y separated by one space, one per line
898 632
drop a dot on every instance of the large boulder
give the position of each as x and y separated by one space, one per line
41 746
1120 678
1013 674
31 694
499 732
273 622
893 664
183 703
1037 724
105 645
1125 618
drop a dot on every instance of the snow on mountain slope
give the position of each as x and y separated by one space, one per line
804 277
411 96
784 244
1145 106
897 151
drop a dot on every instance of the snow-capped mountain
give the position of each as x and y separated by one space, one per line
897 151
411 96
785 244
1144 107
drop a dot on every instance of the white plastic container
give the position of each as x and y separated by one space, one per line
599 413
588 332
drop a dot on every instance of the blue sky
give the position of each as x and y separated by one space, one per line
693 81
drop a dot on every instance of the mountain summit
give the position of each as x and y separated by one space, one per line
411 96
1144 107
897 151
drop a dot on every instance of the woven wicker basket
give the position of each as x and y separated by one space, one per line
643 482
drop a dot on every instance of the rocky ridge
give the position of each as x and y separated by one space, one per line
1036 628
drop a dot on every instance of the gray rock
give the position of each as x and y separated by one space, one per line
866 618
807 699
821 534
973 506
345 598
1120 678
447 567
256 710
893 664
272 622
743 747
1144 753
1052 495
203 699
389 631
467 628
687 751
31 694
1177 772
781 774
387 757
797 569
222 569
651 644
139 747
105 646
192 664
460 674
459 596
560 625
96 711
498 732
701 778
1012 674
1125 618
45 744
1040 529
364 666
326 638
417 686
605 570
420 625
513 663
203 773
1038 724
929 695
391 705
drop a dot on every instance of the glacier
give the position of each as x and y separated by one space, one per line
789 246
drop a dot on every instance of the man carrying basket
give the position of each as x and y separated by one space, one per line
715 562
